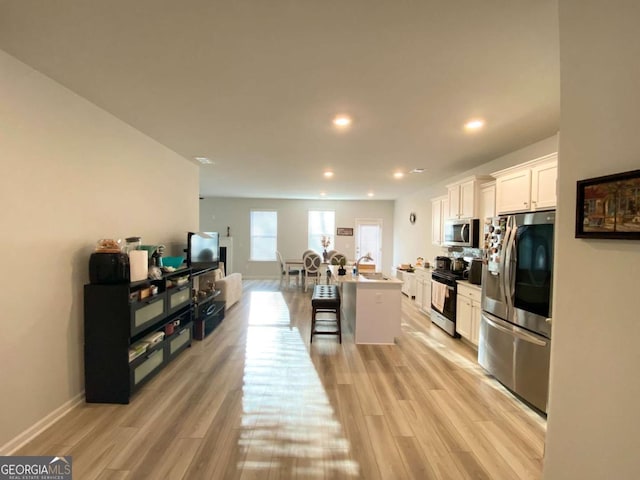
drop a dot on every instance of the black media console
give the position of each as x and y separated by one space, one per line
131 331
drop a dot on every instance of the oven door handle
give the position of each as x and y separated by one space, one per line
440 283
514 331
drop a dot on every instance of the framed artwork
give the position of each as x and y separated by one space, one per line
344 232
609 207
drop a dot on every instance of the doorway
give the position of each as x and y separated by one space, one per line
369 239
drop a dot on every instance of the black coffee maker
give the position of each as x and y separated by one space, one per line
443 263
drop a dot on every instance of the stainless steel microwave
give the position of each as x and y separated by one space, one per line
461 232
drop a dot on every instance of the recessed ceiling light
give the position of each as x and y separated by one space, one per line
417 170
370 194
474 124
204 160
398 175
328 174
323 194
342 121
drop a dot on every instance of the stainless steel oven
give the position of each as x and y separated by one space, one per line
515 328
443 300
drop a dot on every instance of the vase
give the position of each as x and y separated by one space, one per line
324 256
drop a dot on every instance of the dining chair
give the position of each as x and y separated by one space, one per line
311 263
284 272
336 257
303 254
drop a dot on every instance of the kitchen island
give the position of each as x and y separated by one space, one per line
371 307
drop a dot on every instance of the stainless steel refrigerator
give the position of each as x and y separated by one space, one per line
515 330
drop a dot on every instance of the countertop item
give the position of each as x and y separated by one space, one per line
475 271
109 267
443 263
139 265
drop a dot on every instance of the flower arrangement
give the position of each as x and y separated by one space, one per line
326 241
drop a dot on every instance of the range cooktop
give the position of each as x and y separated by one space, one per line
448 274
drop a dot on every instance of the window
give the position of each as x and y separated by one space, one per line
264 235
321 224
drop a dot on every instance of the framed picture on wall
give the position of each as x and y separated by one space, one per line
344 232
609 207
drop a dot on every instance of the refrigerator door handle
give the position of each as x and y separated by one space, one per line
509 280
513 331
512 258
506 264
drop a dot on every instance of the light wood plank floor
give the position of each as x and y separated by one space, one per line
256 400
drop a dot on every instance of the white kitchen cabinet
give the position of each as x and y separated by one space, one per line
439 207
408 282
419 288
468 309
543 185
463 317
527 187
487 201
423 289
464 197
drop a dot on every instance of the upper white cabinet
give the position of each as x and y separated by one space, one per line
527 187
439 209
543 185
464 197
487 200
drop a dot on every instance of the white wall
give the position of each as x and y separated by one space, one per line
412 241
594 418
218 213
71 174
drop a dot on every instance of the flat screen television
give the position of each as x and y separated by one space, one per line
203 250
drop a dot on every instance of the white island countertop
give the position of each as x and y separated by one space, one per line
366 279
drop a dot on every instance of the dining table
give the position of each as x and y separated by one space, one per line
298 264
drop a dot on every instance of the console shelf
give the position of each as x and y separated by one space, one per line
208 312
118 317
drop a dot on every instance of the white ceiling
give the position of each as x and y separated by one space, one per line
254 84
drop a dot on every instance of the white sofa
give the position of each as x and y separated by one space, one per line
230 287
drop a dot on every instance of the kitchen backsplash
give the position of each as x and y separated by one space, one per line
465 252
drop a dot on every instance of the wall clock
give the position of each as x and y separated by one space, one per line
412 218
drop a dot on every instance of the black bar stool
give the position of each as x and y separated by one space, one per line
326 299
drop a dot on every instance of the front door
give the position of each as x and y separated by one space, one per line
369 239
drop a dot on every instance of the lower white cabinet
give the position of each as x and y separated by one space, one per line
423 290
409 282
468 309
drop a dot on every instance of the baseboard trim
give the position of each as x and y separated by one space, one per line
36 429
